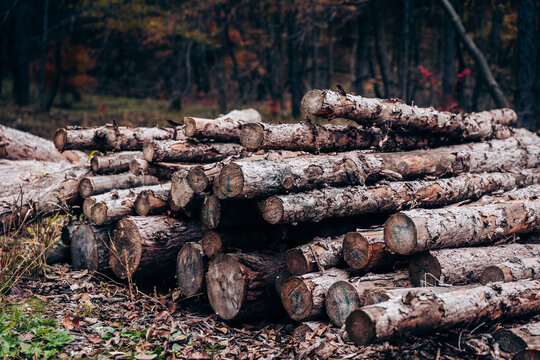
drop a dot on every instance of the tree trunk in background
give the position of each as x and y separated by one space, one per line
403 69
315 35
57 70
449 60
42 100
525 63
361 52
330 54
20 53
294 80
380 44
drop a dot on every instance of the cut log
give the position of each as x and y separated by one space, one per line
163 171
153 201
243 285
114 163
246 240
329 202
417 230
519 339
399 317
110 137
95 185
344 296
191 265
317 255
463 265
190 151
89 245
367 250
140 242
54 192
59 254
303 296
512 270
396 114
216 213
17 173
181 193
317 138
225 128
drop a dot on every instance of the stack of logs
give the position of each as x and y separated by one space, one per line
321 221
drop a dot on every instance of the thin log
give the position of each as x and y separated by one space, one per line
153 201
110 137
317 255
140 242
320 204
243 285
399 317
190 151
96 185
397 114
367 250
344 296
225 128
303 296
89 245
512 270
519 339
114 163
463 265
191 265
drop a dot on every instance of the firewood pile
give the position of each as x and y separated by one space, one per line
406 221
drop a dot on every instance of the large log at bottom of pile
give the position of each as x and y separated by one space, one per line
191 265
417 230
153 201
303 296
412 315
110 137
344 296
512 270
463 265
114 163
190 151
89 245
519 339
329 202
317 255
224 128
94 185
140 242
242 285
397 114
367 250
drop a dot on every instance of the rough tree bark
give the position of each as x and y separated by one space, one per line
344 296
226 128
418 230
379 295
140 242
366 250
512 270
317 255
153 201
519 339
161 170
242 285
191 265
190 151
463 265
114 163
416 314
397 114
89 245
95 185
324 203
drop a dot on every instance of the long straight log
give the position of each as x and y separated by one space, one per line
114 163
417 230
512 270
344 296
89 245
140 242
329 202
243 285
366 250
398 317
303 296
396 114
191 265
153 200
110 137
190 151
95 185
519 339
224 128
17 173
463 265
317 255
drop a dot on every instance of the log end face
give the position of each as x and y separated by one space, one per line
149 150
210 212
60 138
181 192
312 102
142 204
125 249
272 210
297 264
510 342
400 234
231 180
189 126
492 273
360 327
226 286
424 270
341 299
197 179
355 250
138 166
84 252
87 207
86 189
189 270
212 244
252 136
99 213
94 164
296 299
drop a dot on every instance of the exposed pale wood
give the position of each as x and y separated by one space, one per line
243 285
161 170
463 265
366 250
317 255
190 151
140 242
396 114
399 317
181 193
191 265
512 270
320 204
95 185
153 201
225 128
89 245
379 295
344 296
114 163
17 173
518 339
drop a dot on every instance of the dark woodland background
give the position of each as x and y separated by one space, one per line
80 57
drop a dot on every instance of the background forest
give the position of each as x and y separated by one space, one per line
79 57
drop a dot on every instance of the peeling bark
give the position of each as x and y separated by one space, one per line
96 185
512 270
190 151
225 128
114 163
317 255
